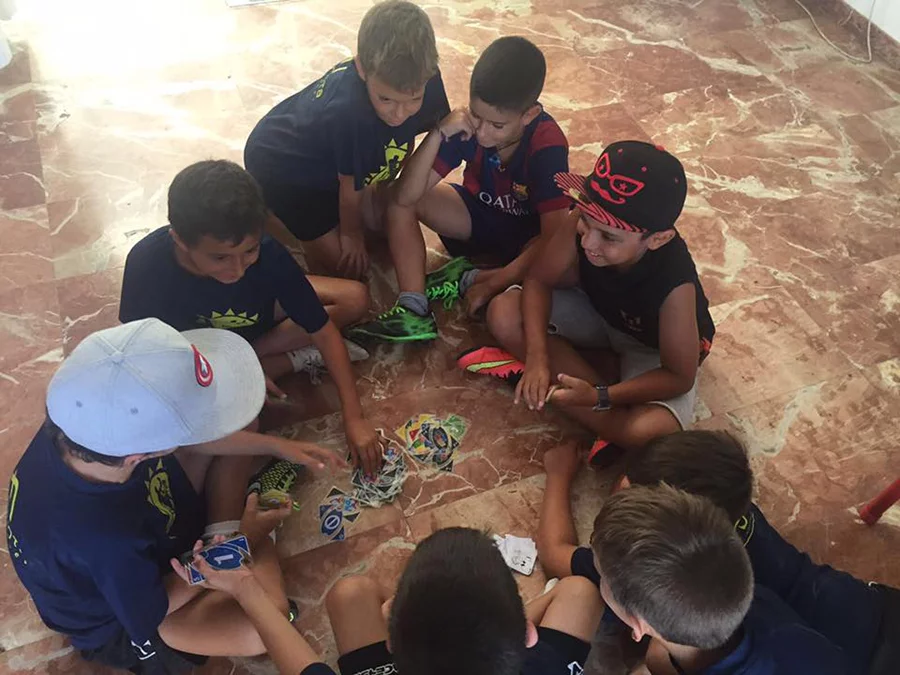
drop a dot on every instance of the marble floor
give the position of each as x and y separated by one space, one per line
793 159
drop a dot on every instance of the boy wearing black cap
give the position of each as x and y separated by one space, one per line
618 277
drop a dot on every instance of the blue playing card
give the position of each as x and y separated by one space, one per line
226 555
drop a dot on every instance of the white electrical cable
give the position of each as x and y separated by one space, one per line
859 59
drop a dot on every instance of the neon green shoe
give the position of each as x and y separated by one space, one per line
273 483
398 324
443 283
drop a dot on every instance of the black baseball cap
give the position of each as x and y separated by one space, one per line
635 186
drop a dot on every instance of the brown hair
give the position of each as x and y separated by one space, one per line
673 559
396 43
712 464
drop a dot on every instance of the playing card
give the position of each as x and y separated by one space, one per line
332 524
519 553
410 429
227 555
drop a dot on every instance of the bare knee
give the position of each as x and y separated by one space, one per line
648 422
349 592
357 301
576 587
504 318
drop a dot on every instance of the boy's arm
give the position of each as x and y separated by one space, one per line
362 437
558 259
253 443
679 352
419 175
354 260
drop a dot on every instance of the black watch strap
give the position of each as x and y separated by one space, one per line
603 403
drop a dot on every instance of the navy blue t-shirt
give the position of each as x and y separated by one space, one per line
524 185
330 128
156 286
776 641
93 555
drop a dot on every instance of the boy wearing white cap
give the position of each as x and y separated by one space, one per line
111 491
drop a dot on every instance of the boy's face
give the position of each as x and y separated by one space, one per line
222 260
496 128
607 246
393 107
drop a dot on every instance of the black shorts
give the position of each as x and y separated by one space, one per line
555 653
154 657
307 213
495 234
886 656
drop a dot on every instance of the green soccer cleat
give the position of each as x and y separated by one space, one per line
443 283
278 475
398 324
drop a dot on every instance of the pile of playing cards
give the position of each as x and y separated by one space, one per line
519 553
383 487
432 440
336 510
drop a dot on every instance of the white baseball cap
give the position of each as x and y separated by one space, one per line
144 387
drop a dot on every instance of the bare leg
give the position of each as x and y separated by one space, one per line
556 537
629 427
346 302
214 624
573 606
323 254
441 210
226 487
354 607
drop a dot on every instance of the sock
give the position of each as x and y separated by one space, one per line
416 303
466 281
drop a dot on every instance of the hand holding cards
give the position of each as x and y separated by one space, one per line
229 554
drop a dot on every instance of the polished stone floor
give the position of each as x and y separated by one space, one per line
793 160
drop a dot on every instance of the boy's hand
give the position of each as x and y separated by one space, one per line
274 389
364 443
312 456
459 121
257 523
230 581
479 295
573 392
563 461
354 261
533 386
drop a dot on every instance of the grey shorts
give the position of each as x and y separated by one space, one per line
573 317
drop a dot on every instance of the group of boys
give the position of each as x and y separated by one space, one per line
151 446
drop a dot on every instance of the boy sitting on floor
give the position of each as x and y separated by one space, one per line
672 569
512 149
617 276
320 154
856 616
214 266
136 458
457 610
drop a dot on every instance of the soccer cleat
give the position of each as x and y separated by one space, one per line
604 454
276 477
492 361
443 283
398 324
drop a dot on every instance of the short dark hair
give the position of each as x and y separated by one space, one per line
457 609
674 560
396 43
64 444
509 74
712 464
217 198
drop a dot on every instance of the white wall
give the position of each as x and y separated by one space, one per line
886 16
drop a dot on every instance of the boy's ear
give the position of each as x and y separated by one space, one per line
529 115
531 634
179 242
660 239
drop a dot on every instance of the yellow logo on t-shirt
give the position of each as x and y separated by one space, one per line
394 156
230 319
159 492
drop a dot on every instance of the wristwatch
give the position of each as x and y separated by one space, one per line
603 403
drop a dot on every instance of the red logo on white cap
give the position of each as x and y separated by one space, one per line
202 370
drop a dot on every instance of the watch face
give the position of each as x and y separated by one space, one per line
602 398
